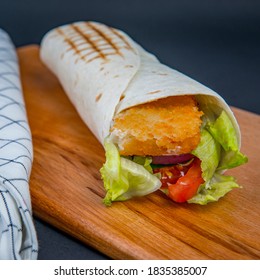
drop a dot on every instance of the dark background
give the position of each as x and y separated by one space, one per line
215 42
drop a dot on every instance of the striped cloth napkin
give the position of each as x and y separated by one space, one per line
18 238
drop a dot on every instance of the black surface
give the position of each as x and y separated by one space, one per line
54 244
214 42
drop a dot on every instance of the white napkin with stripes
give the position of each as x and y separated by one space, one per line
18 238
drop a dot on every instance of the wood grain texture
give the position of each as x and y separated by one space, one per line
67 191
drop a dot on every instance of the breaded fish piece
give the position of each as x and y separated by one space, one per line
165 126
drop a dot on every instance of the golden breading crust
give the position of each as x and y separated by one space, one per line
166 126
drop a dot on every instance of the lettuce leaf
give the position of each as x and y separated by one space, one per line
218 150
223 131
208 151
145 161
124 178
218 186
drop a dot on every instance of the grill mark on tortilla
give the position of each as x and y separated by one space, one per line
105 37
72 45
122 97
160 73
93 51
90 42
98 97
98 42
152 92
128 46
93 58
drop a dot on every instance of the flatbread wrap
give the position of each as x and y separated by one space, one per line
160 129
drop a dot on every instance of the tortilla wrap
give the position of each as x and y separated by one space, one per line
104 72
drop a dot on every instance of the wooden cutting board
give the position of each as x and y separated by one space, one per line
67 191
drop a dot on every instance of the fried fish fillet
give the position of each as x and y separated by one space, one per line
169 126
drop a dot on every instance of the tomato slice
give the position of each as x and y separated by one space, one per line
181 182
171 174
187 186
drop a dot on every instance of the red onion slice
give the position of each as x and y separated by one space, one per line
171 159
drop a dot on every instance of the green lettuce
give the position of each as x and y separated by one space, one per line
218 150
125 178
144 161
223 131
208 151
218 186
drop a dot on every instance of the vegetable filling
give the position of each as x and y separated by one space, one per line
194 178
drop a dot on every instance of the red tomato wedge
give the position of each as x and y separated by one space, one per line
171 174
187 186
182 182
